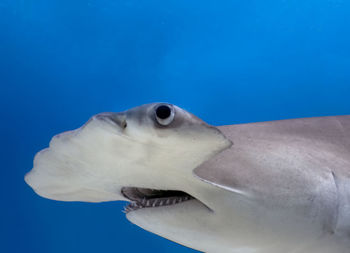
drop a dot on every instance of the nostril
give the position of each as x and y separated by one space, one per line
123 124
117 118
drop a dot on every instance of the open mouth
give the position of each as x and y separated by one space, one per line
146 198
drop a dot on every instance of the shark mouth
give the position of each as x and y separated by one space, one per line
146 198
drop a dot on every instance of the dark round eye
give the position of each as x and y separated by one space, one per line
164 114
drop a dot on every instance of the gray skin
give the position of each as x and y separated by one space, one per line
298 166
282 187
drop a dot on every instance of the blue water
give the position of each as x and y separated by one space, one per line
226 61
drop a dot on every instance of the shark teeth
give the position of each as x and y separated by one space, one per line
155 202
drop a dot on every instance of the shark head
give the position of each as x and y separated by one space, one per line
144 155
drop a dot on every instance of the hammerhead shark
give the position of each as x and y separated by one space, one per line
269 187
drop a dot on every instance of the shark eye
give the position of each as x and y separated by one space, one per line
164 114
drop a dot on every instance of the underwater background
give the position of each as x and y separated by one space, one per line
225 61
